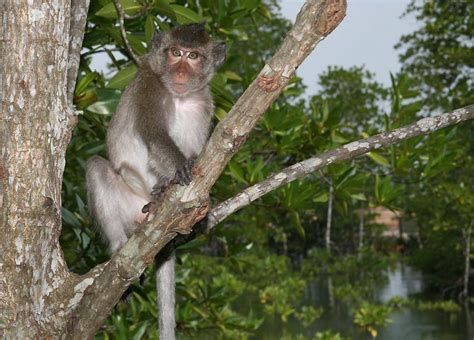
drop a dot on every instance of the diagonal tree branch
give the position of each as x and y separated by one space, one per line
316 20
122 16
301 169
182 207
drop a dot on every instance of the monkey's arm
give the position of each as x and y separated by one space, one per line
168 162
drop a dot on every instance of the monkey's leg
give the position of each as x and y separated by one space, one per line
113 204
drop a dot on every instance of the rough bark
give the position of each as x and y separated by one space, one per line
36 286
34 134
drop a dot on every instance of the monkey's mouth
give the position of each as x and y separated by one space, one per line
180 87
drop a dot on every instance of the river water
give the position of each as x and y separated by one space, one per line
407 323
411 323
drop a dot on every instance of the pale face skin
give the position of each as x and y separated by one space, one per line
183 63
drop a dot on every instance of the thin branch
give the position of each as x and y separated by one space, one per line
78 23
112 58
181 207
327 233
422 127
122 16
105 50
135 16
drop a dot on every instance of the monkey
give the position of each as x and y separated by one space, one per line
160 126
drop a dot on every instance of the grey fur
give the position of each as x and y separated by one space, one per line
152 139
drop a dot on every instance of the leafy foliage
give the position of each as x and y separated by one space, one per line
440 55
253 271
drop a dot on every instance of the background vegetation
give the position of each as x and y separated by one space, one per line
252 274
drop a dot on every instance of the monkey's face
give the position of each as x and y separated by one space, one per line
185 67
185 58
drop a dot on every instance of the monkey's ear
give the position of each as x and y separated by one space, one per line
157 39
218 52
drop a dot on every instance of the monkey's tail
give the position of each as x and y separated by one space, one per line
165 286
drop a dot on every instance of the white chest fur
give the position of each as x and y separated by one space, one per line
189 125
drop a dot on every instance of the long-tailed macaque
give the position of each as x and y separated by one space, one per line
160 127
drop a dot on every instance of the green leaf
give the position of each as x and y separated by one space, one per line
135 43
385 190
349 172
107 101
263 11
237 172
358 197
403 84
140 331
84 82
232 76
81 206
149 29
70 218
108 11
220 113
165 9
325 112
185 15
322 198
379 159
338 138
255 171
122 78
296 222
163 26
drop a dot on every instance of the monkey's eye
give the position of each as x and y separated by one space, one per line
193 55
175 52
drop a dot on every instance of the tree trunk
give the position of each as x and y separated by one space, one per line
327 235
360 244
419 241
467 263
36 119
331 300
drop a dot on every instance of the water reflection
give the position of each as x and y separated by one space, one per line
410 323
407 323
403 281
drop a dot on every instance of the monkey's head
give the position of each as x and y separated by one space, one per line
185 58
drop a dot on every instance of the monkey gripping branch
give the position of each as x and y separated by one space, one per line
39 296
184 206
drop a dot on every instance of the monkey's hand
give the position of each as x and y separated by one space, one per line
184 175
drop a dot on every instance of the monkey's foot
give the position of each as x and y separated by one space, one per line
158 190
184 175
